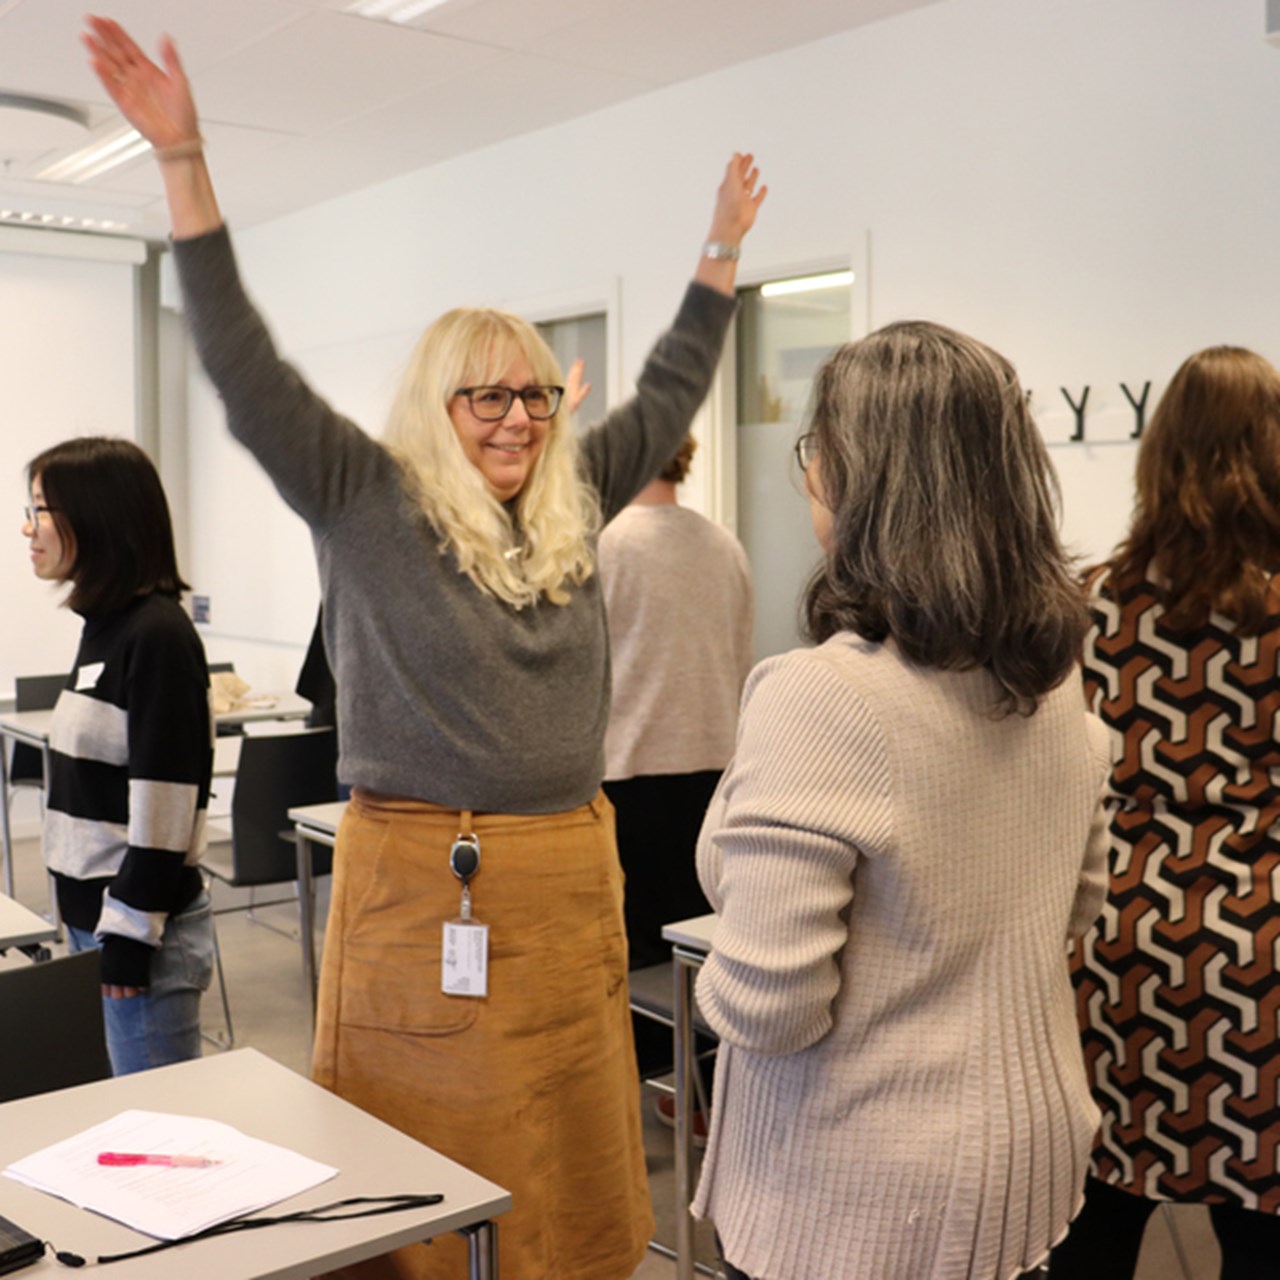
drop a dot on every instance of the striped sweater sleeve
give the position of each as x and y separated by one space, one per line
779 851
169 762
131 753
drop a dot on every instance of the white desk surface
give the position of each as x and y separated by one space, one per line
267 706
323 818
695 933
27 725
268 1101
30 725
20 927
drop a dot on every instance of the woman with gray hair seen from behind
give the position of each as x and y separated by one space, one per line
908 835
474 988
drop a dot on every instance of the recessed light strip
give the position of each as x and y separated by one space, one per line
58 221
106 153
807 284
398 11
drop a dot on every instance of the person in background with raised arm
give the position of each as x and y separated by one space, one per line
474 987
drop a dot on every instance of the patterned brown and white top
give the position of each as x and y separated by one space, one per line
1178 983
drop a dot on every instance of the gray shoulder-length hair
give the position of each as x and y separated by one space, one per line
944 506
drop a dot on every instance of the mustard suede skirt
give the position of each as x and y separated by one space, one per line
533 1086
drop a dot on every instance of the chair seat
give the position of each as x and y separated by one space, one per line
652 995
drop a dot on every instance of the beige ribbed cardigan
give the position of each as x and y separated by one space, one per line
901 1093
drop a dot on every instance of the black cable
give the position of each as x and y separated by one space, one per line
322 1213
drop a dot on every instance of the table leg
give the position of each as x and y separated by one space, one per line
482 1250
682 1007
5 833
306 920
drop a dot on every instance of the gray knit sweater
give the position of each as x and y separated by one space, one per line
444 693
901 1092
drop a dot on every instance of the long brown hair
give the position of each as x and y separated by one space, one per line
944 531
1206 527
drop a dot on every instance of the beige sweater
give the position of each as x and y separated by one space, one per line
901 1094
677 593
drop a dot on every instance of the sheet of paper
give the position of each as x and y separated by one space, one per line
166 1202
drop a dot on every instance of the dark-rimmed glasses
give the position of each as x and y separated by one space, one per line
492 404
31 514
807 450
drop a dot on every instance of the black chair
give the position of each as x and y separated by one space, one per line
276 773
651 994
26 764
32 693
52 1018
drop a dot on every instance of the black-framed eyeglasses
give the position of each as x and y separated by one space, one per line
32 513
492 404
807 449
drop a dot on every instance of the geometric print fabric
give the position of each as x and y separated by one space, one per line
1178 982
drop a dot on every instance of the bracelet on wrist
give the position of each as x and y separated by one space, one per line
179 150
721 251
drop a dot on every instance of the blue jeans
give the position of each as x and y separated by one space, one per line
161 1024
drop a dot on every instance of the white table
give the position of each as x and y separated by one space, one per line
22 928
312 824
32 728
690 944
267 1101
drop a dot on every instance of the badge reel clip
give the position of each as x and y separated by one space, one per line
465 951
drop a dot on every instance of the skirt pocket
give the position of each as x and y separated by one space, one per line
399 893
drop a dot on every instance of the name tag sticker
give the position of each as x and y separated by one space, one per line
464 956
88 675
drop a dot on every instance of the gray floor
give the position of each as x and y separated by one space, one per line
265 986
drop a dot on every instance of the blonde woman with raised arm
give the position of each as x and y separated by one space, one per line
464 620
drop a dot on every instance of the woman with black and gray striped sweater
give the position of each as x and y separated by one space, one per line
131 747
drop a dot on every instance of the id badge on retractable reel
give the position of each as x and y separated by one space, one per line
464 951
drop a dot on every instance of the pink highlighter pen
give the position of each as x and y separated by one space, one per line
131 1159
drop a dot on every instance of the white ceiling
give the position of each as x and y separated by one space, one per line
301 101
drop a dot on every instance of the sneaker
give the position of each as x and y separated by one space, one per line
664 1107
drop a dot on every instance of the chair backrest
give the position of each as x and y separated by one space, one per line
37 693
276 773
32 693
51 1013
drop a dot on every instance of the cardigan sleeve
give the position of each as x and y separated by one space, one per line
1091 889
637 439
807 795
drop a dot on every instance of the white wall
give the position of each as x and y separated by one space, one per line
66 369
1088 185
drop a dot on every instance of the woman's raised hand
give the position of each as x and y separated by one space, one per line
156 100
737 201
576 386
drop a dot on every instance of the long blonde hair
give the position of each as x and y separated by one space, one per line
545 548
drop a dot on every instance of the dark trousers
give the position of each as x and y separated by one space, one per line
1107 1236
659 818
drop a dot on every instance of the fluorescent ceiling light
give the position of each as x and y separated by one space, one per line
115 149
58 221
807 284
399 11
